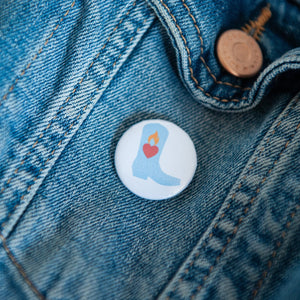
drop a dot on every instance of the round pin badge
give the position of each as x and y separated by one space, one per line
155 159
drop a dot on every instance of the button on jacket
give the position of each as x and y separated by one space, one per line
75 76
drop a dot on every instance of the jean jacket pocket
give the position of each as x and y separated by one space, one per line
194 29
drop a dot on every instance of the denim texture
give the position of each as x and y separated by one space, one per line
74 77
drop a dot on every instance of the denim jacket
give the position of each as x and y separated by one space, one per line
75 75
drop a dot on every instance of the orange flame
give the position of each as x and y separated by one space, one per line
155 138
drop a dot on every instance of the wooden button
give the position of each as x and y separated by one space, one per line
239 53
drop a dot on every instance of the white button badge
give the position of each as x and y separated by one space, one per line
155 159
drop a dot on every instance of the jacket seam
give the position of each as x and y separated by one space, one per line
190 62
11 88
245 209
273 69
201 49
21 269
279 243
27 155
74 120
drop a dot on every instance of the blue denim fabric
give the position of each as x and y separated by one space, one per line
74 77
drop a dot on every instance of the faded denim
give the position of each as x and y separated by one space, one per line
74 77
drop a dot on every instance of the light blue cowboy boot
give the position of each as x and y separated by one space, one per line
146 163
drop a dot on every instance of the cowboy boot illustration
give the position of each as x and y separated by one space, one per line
146 164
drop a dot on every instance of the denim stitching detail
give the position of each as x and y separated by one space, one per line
21 269
37 54
62 106
275 251
187 270
190 61
246 210
72 124
201 56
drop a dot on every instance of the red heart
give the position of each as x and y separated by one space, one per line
149 150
